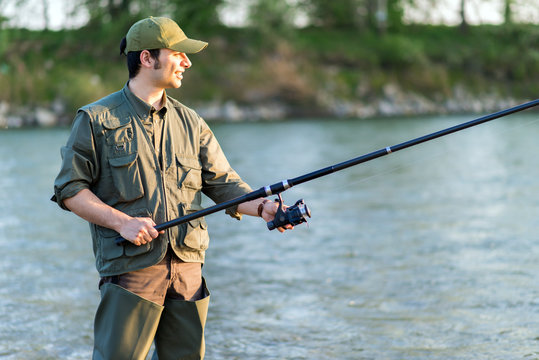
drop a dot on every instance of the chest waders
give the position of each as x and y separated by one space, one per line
180 334
126 325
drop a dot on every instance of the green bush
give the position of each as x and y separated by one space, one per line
80 66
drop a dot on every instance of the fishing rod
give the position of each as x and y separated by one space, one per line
299 212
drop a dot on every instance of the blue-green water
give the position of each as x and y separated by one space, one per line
429 253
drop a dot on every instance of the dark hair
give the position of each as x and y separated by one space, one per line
133 58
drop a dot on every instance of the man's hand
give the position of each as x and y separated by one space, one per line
139 230
269 210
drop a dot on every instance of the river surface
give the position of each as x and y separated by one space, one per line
428 253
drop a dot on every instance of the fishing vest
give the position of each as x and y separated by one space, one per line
111 153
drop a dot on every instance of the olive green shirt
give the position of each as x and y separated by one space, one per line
145 162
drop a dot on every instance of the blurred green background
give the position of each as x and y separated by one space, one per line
278 58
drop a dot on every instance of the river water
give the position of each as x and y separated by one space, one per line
429 253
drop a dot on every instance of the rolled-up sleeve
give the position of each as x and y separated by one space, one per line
80 167
220 182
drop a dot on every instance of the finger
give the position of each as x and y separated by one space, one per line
153 233
151 230
284 228
146 237
143 237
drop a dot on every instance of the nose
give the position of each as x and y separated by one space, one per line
185 62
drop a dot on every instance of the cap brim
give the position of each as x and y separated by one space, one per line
189 46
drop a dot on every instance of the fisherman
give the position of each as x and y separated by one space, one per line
136 158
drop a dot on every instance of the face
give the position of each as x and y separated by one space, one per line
168 71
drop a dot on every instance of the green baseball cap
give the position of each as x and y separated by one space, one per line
160 33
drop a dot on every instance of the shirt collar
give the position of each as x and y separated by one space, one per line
142 108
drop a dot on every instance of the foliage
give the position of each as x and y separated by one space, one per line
200 14
343 52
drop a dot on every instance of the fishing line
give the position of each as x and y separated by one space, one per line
391 170
428 158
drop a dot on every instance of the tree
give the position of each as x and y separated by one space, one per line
463 21
376 15
335 14
508 14
200 15
45 4
395 13
271 16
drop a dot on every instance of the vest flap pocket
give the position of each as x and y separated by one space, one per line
126 178
189 162
189 172
142 212
196 236
123 161
200 222
108 248
114 122
134 250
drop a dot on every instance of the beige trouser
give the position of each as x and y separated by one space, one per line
172 278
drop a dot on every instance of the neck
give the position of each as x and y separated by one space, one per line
150 94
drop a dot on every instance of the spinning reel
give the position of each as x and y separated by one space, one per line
293 215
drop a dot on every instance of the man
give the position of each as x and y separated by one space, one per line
136 158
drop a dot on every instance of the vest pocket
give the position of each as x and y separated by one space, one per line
126 178
196 234
117 130
189 172
110 250
107 248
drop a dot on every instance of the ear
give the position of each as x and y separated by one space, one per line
146 59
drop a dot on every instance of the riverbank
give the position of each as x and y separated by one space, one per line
394 102
309 73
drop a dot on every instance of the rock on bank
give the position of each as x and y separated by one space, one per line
393 102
